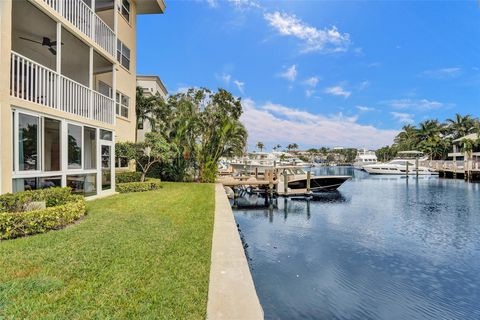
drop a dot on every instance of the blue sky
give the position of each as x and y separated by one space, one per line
321 73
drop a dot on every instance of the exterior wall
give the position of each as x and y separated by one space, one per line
6 162
126 79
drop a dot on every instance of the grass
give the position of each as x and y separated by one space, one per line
138 255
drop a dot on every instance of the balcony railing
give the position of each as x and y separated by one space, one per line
87 21
33 82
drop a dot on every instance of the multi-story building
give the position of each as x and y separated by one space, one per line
67 90
151 85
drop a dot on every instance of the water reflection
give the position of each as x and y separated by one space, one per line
379 248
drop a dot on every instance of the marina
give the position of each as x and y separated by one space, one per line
410 252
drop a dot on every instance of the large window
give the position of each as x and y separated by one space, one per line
85 184
90 148
122 103
52 144
124 8
74 147
28 142
24 184
123 54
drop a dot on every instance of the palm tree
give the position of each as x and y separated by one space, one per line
146 109
292 146
408 138
260 146
277 147
461 126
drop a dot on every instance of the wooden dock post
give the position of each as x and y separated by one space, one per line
285 182
416 164
256 172
308 181
407 168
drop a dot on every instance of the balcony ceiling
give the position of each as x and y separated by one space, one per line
150 6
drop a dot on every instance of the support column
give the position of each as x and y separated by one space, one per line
58 68
91 83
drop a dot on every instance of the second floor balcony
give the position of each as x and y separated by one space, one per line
88 20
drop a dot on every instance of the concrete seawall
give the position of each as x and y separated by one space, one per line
231 292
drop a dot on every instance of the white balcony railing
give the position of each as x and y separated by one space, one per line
87 21
35 83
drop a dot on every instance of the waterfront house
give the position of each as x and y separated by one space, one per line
461 158
151 86
67 91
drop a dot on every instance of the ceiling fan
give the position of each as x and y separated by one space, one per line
45 42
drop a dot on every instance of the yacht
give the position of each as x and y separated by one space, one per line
407 162
255 161
296 179
364 157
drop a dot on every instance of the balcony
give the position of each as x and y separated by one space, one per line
33 82
82 16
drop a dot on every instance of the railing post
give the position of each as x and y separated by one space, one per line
91 83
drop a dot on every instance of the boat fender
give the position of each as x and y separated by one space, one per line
230 193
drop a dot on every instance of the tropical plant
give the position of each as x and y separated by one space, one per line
260 146
460 126
153 150
292 146
147 108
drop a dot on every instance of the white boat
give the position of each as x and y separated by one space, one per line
407 163
364 157
296 179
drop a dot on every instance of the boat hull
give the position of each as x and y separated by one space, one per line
399 171
318 184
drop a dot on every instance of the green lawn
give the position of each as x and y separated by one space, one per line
138 255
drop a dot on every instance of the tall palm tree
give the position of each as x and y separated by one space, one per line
146 109
260 146
460 126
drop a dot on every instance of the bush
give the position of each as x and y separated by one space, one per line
125 177
52 196
62 209
149 184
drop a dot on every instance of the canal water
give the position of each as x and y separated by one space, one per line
379 248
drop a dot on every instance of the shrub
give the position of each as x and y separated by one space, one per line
19 224
125 177
149 184
52 196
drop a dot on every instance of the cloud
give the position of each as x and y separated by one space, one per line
415 104
212 3
312 81
403 117
240 85
363 85
224 77
444 73
313 39
242 4
365 108
309 92
282 124
338 91
290 74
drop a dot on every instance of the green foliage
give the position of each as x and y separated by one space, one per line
260 146
16 202
150 184
62 209
124 177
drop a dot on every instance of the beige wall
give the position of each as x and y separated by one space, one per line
126 79
5 111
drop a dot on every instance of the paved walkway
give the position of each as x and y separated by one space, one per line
231 293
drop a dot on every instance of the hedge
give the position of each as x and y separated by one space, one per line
150 184
62 208
125 177
16 202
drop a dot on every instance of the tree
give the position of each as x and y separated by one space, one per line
153 150
146 109
277 147
292 146
461 126
260 146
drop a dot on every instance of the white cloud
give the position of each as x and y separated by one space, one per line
212 3
415 104
365 108
290 74
281 124
240 85
242 4
363 85
313 39
338 91
309 92
401 117
224 77
443 73
312 81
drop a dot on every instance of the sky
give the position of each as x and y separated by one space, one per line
321 73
